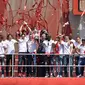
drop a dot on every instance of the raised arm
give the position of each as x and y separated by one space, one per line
27 26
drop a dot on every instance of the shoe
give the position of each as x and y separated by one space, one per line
51 75
19 75
46 75
79 76
23 75
58 76
2 76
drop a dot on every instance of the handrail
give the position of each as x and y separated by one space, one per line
45 65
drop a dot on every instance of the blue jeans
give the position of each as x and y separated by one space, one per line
67 60
21 59
59 60
77 62
34 63
81 62
49 61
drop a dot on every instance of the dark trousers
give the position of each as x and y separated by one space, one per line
2 63
41 70
59 61
77 60
8 59
49 61
29 62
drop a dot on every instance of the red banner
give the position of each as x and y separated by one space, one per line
42 81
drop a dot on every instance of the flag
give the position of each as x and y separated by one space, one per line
65 14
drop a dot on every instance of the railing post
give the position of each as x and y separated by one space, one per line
84 71
2 67
54 69
69 66
46 68
12 65
74 68
63 71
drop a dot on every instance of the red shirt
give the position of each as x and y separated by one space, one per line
57 48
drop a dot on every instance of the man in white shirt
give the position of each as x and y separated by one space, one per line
68 48
10 50
2 52
41 71
77 45
78 42
22 42
31 48
82 57
48 45
59 50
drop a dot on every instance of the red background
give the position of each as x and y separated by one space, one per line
55 19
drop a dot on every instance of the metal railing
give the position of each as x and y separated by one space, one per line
70 64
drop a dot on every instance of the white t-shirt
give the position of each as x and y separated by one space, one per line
77 45
5 43
31 46
48 46
61 48
27 37
2 46
10 45
22 45
82 51
67 47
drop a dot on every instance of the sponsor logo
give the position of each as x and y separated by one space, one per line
77 7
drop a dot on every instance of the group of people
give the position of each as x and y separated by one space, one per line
39 55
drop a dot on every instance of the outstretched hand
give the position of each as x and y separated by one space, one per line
25 22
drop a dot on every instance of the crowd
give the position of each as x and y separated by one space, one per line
54 52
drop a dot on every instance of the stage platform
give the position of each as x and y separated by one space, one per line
42 81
